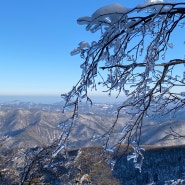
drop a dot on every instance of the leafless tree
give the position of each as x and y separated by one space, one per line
131 58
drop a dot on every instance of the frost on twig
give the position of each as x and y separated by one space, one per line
131 58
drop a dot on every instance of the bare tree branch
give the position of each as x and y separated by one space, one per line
129 58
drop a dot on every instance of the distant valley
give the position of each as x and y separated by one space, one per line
29 125
26 126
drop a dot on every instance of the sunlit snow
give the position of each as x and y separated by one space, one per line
107 14
155 1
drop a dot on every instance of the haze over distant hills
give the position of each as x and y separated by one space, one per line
54 99
30 124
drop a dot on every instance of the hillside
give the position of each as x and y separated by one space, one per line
35 125
38 125
162 166
29 127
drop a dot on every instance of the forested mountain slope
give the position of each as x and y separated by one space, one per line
36 127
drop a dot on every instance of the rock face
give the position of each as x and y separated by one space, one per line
161 164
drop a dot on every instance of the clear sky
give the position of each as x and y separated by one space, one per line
36 37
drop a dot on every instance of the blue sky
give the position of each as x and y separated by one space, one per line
36 38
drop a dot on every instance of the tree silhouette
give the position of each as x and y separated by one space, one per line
131 58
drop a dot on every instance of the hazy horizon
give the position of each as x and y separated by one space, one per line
49 99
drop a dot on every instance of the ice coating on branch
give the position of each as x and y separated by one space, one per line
155 1
150 2
82 45
103 16
158 7
136 156
131 53
58 150
110 9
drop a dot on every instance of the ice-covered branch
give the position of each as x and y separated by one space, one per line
129 58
